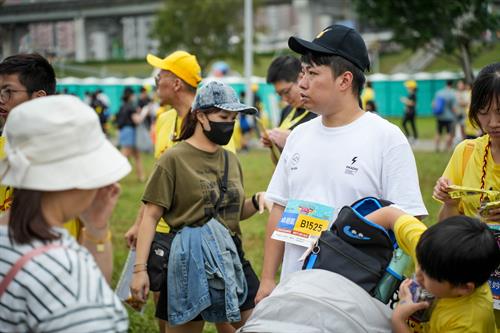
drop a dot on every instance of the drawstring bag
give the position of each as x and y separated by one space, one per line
354 247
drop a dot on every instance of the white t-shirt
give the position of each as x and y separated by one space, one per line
336 166
61 290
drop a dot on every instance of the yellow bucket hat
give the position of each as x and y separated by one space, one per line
181 63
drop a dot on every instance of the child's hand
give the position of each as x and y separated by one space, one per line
406 307
493 215
441 191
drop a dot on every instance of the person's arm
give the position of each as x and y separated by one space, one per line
249 208
273 255
140 281
386 216
131 234
96 236
406 101
453 174
450 206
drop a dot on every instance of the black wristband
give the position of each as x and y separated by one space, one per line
255 202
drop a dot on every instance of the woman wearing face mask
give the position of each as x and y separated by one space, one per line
196 186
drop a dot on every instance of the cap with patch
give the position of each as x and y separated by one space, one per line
337 40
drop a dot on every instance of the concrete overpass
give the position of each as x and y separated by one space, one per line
88 16
100 22
63 10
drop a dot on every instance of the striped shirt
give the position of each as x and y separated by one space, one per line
61 290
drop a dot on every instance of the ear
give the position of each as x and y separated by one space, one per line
203 120
465 289
39 93
177 84
345 81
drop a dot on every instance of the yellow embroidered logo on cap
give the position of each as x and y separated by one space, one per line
322 33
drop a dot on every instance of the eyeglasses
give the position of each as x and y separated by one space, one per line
6 93
284 92
159 77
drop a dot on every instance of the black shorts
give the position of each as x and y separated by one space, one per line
445 125
250 276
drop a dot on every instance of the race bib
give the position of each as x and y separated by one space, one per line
302 222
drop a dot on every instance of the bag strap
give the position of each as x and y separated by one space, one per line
23 261
468 150
222 185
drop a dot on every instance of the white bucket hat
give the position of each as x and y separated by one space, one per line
56 143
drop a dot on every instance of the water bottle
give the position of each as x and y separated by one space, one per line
393 276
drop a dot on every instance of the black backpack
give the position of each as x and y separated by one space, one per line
354 247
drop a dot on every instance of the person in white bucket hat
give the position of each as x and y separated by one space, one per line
59 163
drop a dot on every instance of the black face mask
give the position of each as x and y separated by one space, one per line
220 132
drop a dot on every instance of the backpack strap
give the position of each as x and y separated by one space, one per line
222 185
23 261
468 150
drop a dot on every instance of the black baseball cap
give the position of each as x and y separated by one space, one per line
335 40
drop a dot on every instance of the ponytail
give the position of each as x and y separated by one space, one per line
188 126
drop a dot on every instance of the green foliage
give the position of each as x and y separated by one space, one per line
415 23
488 55
456 24
202 27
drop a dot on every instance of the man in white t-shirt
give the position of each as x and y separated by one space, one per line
341 156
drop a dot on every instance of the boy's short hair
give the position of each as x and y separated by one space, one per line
460 249
339 66
34 71
284 68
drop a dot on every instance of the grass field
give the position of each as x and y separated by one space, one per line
257 169
426 126
486 56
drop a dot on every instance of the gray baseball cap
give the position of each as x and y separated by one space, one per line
220 95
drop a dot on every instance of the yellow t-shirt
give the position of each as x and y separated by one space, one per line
472 313
368 94
471 176
168 126
6 192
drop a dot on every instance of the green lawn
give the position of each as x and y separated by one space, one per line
257 170
387 61
486 56
426 126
